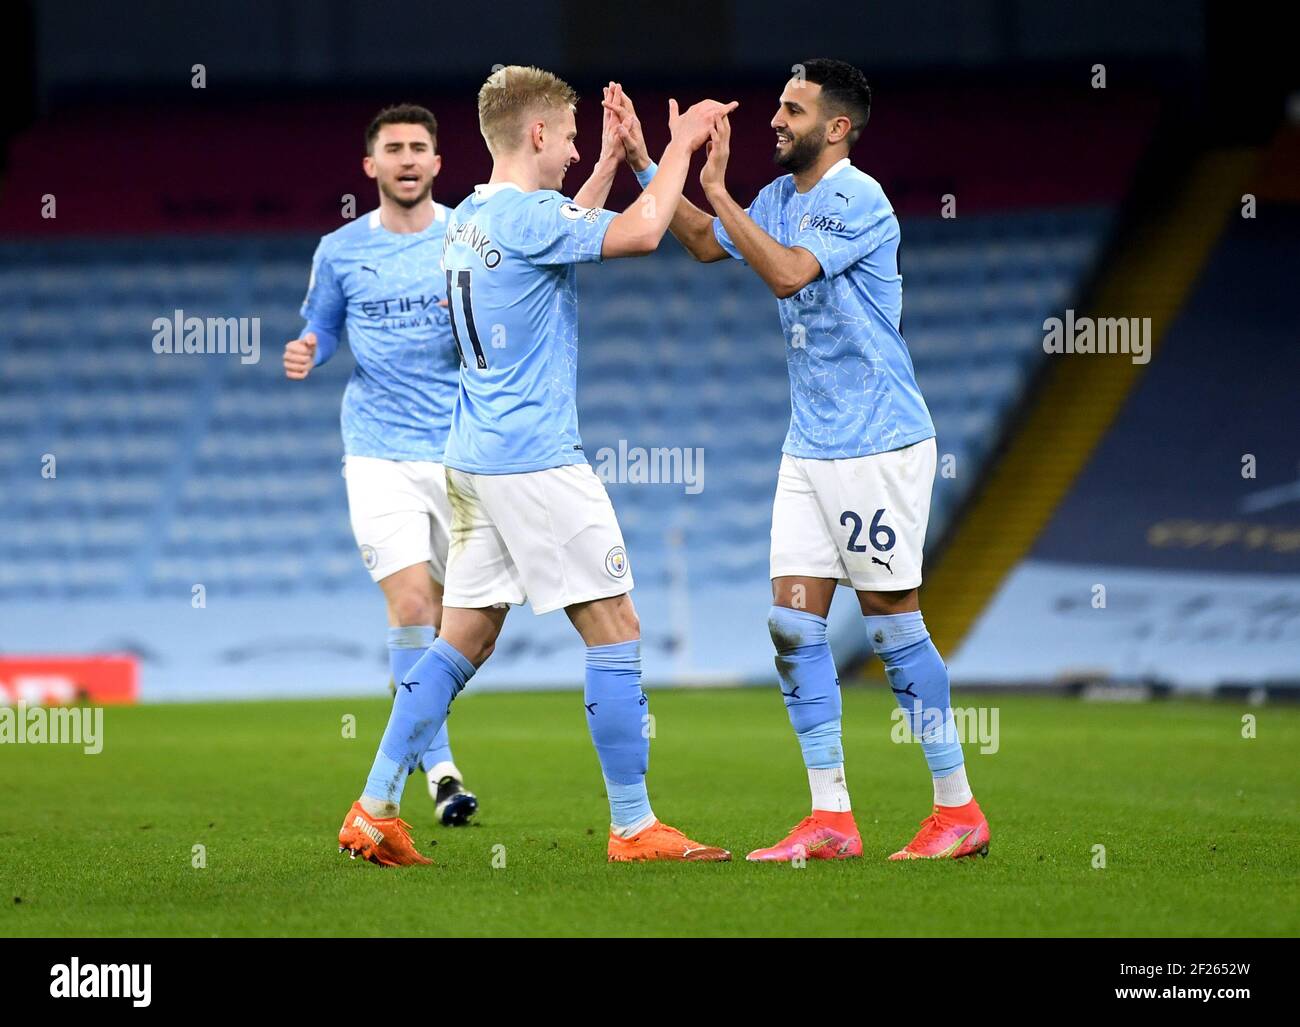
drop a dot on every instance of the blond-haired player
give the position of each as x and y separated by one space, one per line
532 522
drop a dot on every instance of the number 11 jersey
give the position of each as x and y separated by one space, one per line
509 258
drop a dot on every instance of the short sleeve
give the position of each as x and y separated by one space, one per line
845 226
757 213
555 230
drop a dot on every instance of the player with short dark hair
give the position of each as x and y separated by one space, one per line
853 494
401 114
378 276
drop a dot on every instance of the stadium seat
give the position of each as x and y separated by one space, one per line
197 468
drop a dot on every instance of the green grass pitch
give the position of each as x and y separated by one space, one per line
1200 825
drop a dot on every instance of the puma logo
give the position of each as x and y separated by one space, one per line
844 198
591 707
885 564
367 267
408 684
793 693
905 691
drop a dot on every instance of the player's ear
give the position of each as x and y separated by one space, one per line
368 166
838 129
437 164
537 135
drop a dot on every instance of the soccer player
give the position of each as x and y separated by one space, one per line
853 492
379 275
531 521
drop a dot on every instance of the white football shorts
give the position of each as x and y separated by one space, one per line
549 538
400 514
860 521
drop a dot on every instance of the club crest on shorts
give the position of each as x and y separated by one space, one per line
616 561
369 557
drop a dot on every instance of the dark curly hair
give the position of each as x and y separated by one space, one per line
844 92
401 114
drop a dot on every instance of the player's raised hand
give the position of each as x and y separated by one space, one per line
300 356
611 139
635 150
695 124
714 173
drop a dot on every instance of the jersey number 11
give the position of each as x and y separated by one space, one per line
461 280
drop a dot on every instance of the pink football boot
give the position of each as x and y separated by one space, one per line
823 835
950 832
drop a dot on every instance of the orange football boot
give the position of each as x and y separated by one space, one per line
950 832
823 835
659 841
385 841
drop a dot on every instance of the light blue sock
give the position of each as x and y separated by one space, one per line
628 804
809 684
919 681
405 647
420 708
616 711
439 750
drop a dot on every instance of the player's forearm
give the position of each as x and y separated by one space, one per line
596 188
693 228
640 228
690 226
779 266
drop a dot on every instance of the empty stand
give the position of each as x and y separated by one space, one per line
173 470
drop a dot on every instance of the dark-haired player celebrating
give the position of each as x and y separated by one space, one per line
378 276
853 493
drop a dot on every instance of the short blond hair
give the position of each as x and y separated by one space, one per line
513 93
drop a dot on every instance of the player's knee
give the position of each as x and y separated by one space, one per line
794 629
630 623
620 623
805 594
413 607
885 604
783 637
476 651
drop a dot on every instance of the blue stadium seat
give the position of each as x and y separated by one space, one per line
174 470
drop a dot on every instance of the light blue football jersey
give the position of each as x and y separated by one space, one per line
386 287
509 262
853 391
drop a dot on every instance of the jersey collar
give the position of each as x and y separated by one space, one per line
836 168
374 223
485 192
